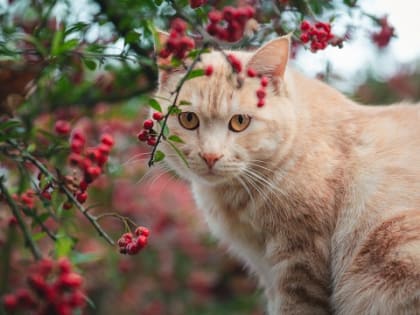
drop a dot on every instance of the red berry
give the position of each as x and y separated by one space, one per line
62 127
215 16
304 37
82 196
305 25
107 139
77 146
83 185
179 25
235 63
151 140
141 230
45 194
25 299
141 241
261 102
208 71
79 136
143 135
264 81
197 3
261 93
148 124
10 302
75 158
13 221
158 116
67 205
45 266
64 265
93 172
104 149
70 280
77 299
251 72
132 248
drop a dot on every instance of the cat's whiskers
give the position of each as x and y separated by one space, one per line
136 158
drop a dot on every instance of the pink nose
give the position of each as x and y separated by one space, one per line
210 158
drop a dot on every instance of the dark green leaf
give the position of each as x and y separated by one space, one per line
165 129
12 123
75 28
175 138
155 105
159 156
132 37
90 64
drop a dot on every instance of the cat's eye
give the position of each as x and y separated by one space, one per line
188 120
239 122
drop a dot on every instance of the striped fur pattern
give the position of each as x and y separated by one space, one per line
319 196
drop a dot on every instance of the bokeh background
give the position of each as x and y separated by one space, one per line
182 271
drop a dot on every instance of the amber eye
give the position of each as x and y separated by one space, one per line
188 120
239 122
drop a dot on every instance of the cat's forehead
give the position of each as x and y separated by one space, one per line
221 93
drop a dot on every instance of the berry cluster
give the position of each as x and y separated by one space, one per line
132 244
89 160
318 34
147 134
197 3
177 44
229 24
383 37
54 289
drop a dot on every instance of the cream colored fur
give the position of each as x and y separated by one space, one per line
319 196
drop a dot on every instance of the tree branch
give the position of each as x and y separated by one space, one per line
29 241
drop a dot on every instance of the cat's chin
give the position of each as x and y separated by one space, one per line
211 179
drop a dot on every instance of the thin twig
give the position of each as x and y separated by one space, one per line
173 105
92 219
29 241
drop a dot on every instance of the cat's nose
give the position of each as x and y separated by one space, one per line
210 158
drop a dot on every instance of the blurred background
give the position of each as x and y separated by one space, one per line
91 63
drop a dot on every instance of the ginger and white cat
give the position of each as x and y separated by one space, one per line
317 195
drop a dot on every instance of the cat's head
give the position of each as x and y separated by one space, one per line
226 135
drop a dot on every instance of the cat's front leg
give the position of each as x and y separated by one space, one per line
298 284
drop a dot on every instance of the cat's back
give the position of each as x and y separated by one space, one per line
379 243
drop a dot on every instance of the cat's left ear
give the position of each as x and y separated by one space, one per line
272 58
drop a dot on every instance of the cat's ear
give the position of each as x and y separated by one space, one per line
272 58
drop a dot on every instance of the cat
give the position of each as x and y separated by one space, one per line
317 195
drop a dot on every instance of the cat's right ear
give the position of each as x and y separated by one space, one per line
271 59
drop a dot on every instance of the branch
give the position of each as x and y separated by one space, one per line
173 105
26 233
92 219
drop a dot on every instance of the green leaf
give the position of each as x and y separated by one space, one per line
69 45
159 156
39 236
75 28
12 123
132 37
155 105
90 64
56 42
175 138
158 2
194 74
180 154
63 246
165 129
81 258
